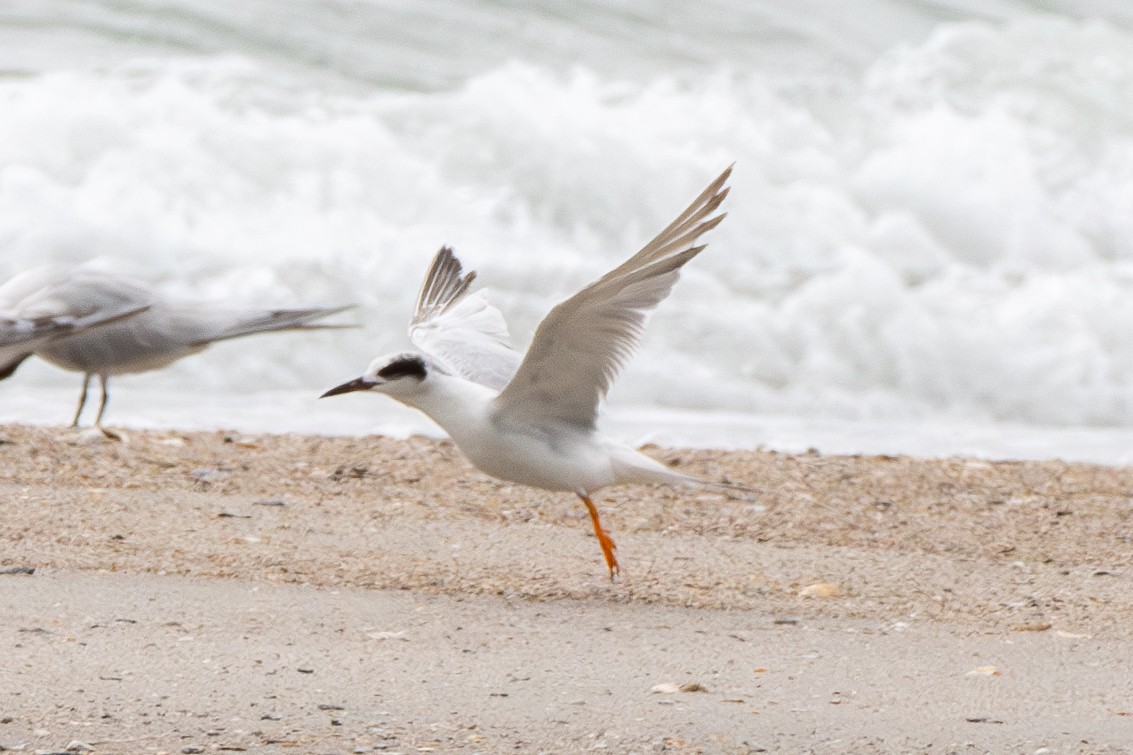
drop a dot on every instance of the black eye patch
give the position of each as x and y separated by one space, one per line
411 366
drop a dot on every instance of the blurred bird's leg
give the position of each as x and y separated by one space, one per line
104 383
82 400
604 540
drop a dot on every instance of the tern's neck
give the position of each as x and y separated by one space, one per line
459 406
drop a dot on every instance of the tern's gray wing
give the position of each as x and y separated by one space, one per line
583 342
462 330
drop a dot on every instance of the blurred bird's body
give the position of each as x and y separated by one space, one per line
161 330
21 335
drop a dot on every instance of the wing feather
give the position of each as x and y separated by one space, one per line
583 342
462 330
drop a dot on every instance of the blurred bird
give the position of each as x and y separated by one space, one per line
142 329
532 420
21 336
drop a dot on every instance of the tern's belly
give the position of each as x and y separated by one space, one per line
570 462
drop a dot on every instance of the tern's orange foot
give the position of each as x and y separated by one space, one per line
608 549
604 539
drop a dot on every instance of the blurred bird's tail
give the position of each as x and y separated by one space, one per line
283 319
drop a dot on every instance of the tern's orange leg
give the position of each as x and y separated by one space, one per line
604 540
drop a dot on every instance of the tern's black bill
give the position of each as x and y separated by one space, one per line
358 384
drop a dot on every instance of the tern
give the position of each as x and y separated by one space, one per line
145 330
532 419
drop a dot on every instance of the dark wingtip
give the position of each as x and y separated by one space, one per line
7 369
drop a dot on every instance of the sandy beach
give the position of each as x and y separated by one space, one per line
211 592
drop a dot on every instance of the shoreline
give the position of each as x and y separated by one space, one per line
913 553
139 406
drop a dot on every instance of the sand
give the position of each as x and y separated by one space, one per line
212 592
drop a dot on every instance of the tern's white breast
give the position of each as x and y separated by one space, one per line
548 458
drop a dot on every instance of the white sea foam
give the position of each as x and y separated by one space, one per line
929 224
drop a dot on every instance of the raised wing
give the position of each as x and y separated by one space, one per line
583 342
461 329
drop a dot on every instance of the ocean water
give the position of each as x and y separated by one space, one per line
928 249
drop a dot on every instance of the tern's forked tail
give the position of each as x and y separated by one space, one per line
635 467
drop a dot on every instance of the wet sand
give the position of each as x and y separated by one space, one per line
205 592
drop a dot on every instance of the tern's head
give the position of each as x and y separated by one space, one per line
397 375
